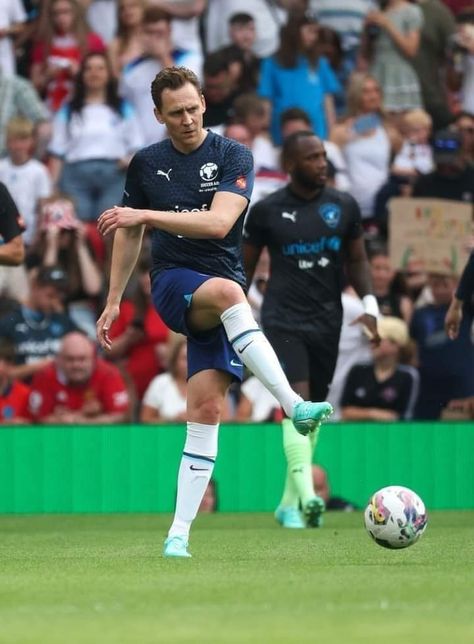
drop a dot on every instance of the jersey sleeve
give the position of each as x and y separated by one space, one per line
254 226
133 195
465 288
238 175
354 230
10 221
410 393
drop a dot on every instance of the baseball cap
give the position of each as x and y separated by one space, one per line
52 276
447 145
395 329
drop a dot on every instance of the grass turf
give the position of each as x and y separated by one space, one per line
101 579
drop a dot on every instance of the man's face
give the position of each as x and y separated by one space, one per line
76 362
239 133
182 111
308 167
217 88
156 37
442 288
46 299
465 126
243 35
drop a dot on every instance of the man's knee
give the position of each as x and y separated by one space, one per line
206 408
226 293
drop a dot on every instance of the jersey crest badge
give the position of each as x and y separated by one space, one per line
331 214
208 171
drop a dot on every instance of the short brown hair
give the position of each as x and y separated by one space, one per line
172 78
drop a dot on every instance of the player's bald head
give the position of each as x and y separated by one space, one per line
293 145
76 343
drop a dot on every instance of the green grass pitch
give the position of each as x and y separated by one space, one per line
101 579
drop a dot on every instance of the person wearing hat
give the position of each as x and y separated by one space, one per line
453 176
385 390
36 328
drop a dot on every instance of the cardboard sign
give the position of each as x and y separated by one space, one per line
430 235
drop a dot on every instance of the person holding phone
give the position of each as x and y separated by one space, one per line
367 140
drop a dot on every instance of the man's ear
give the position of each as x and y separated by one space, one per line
203 103
158 116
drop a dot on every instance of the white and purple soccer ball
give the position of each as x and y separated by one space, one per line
395 517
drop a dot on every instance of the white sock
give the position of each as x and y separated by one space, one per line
257 354
195 471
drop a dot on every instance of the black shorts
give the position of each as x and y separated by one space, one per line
306 356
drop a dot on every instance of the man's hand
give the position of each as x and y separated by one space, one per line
453 319
369 322
119 217
109 314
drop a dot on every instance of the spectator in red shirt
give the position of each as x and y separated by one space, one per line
62 40
79 387
140 335
13 393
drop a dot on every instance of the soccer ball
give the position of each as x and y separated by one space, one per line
395 517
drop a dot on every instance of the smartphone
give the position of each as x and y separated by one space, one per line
366 122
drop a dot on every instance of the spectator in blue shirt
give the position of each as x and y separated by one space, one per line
297 76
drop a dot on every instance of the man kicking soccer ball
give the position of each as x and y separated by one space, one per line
193 190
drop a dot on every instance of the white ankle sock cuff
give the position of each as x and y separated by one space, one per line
201 440
238 320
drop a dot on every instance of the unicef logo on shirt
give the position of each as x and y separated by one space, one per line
331 214
208 171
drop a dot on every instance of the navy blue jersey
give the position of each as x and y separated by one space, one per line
162 178
306 241
36 336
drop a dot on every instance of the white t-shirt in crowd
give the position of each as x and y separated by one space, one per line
102 18
163 395
98 132
11 12
354 347
368 159
263 402
27 184
414 156
268 20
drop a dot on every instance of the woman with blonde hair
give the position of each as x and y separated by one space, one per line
367 140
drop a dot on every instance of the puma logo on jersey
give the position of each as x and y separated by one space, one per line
289 215
323 262
162 173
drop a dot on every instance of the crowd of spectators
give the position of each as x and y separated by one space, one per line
388 85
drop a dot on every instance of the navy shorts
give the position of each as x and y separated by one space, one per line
306 356
172 294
